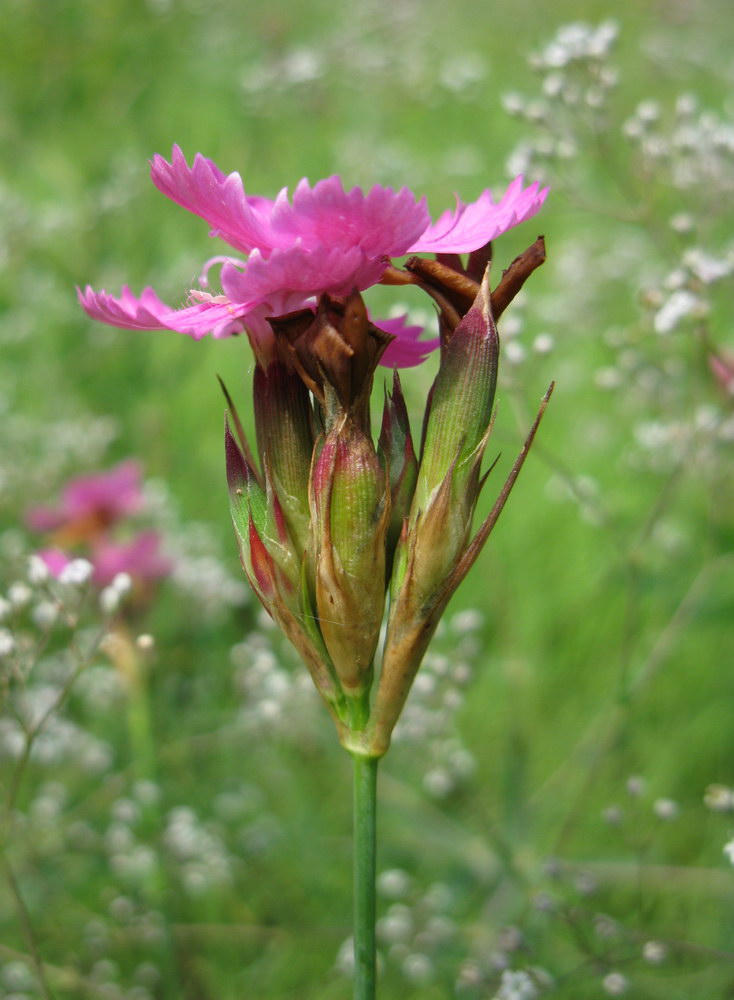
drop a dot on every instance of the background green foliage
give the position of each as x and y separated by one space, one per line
606 593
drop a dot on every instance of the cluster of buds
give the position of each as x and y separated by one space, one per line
339 533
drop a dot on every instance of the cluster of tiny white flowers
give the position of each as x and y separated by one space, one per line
113 595
39 666
277 692
76 573
719 798
429 719
516 986
684 293
577 43
662 445
199 850
416 926
576 80
694 146
513 984
37 453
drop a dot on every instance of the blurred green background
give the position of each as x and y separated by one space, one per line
605 646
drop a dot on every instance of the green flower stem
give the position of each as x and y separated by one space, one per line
365 840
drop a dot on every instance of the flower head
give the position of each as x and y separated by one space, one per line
334 527
323 240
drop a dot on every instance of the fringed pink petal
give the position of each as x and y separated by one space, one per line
217 198
380 223
210 314
471 226
297 274
126 311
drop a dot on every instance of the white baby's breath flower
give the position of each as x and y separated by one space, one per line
7 643
122 584
19 595
76 573
44 615
654 952
514 352
516 986
109 600
678 306
719 798
666 809
543 343
615 984
37 571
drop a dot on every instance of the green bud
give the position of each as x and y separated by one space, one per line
461 401
274 570
396 449
350 503
283 420
437 531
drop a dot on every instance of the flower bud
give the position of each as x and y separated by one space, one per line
350 503
275 572
283 421
435 552
396 450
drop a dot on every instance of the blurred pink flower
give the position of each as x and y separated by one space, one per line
141 557
97 500
722 368
324 239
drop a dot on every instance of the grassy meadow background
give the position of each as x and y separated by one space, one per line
548 822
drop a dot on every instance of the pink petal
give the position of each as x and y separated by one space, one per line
218 199
471 226
112 495
127 311
44 519
148 313
381 223
117 492
406 351
141 557
296 274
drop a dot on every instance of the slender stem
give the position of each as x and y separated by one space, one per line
27 928
365 840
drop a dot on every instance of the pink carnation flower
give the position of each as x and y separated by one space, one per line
102 498
141 557
324 239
